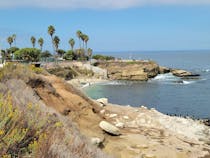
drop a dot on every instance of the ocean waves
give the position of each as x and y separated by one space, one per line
169 78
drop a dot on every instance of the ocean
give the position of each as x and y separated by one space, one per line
165 92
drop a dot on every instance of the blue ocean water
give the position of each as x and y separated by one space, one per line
186 98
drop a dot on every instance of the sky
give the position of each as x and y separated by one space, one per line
112 25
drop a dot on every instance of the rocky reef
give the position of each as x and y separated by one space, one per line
140 70
130 70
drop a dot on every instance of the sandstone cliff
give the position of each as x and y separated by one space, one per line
131 70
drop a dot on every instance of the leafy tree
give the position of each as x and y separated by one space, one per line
79 34
72 43
69 55
4 55
41 42
11 51
33 41
56 42
80 53
10 41
45 54
61 52
28 54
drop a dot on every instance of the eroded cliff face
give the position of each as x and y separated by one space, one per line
131 70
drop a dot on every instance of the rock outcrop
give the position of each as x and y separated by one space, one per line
131 70
164 70
183 73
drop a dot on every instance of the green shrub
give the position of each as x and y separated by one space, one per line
69 55
19 133
67 73
61 52
103 57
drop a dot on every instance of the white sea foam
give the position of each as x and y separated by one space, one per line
165 77
207 70
169 78
188 82
115 83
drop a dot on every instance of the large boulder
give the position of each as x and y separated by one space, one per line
183 73
109 128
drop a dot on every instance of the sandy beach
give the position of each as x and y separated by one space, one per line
84 82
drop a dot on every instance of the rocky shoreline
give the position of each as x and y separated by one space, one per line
89 128
144 132
140 70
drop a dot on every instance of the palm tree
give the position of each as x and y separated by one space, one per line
83 36
86 41
10 41
56 42
51 32
72 43
90 51
41 42
79 34
33 41
14 38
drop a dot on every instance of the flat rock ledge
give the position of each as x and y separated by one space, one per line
183 73
109 128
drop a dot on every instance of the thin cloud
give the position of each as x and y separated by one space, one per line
95 4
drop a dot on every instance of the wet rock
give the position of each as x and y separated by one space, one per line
109 128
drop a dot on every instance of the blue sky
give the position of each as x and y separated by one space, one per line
128 26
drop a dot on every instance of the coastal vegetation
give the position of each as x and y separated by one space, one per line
28 128
36 53
103 57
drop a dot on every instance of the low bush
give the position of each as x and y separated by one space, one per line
19 133
103 57
67 73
